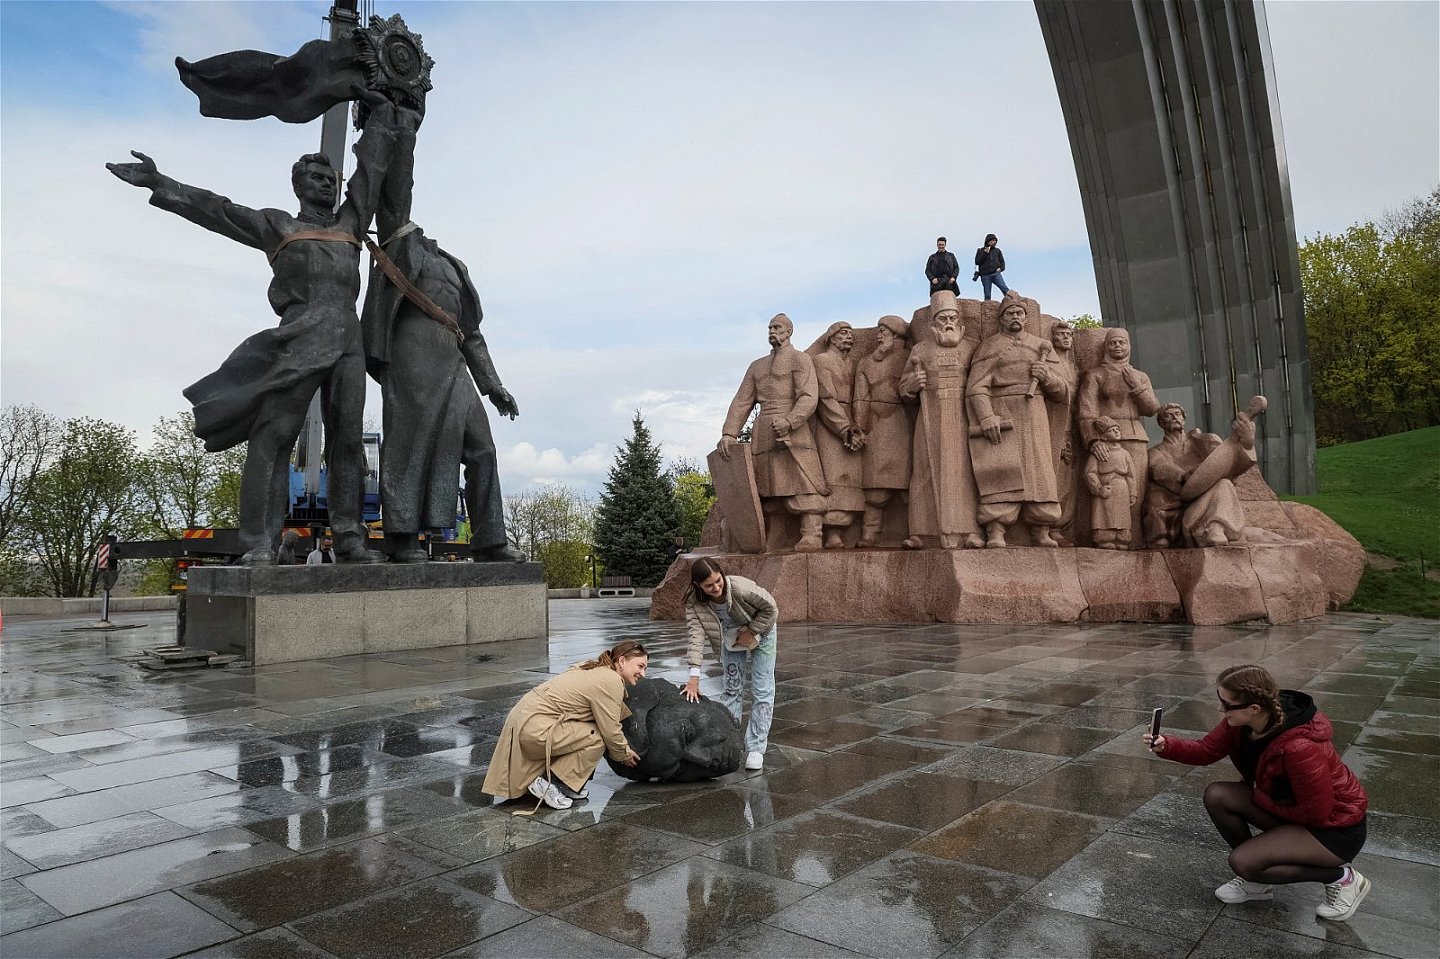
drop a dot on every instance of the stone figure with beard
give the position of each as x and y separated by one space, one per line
883 419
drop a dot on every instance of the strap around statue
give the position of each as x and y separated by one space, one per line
412 293
338 236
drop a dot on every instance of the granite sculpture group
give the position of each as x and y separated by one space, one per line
994 425
419 334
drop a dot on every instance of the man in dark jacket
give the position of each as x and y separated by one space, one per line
942 269
989 265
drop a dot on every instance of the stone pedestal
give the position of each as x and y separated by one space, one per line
280 614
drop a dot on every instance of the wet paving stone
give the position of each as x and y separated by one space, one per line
20 792
904 905
481 834
827 735
20 908
815 709
281 769
1101 717
61 847
545 937
546 876
1157 886
1098 789
17 821
1228 935
763 939
1013 837
952 733
1398 783
721 815
989 764
917 754
426 918
132 771
1025 932
270 944
684 908
282 891
1054 740
237 808
1400 742
1403 837
351 819
828 777
154 927
102 882
922 800
814 848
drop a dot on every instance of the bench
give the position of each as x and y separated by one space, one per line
611 586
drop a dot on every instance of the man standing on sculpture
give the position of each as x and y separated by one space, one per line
942 269
788 475
884 422
1215 517
836 439
1013 375
942 493
423 345
262 391
1116 389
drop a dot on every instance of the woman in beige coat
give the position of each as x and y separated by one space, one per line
554 737
738 620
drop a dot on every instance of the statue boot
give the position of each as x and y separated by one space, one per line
870 532
499 553
1043 537
350 548
405 548
833 539
810 527
259 556
995 533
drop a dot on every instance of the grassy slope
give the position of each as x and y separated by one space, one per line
1386 492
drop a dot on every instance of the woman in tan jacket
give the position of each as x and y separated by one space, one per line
554 737
738 620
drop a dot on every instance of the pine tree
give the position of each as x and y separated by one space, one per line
637 520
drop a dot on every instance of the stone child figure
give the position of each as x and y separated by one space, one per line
1112 486
1176 513
262 391
1013 377
423 345
788 475
882 418
1116 389
836 439
942 493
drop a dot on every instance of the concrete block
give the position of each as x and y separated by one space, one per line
496 613
414 619
296 627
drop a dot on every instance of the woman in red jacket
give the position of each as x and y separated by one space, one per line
1306 803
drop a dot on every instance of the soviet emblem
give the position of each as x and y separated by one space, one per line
394 60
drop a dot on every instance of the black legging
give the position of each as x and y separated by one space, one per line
1284 852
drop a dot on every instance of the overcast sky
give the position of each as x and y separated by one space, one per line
637 188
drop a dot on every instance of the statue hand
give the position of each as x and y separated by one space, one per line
1041 371
1067 454
1127 373
991 426
780 427
725 445
1100 452
504 402
1243 429
137 174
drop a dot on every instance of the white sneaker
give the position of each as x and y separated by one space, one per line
546 792
1240 890
755 760
1342 901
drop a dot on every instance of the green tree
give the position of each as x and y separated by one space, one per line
637 521
89 487
1372 296
29 438
694 495
554 526
1084 321
183 486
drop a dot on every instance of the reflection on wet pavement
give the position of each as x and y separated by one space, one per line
965 790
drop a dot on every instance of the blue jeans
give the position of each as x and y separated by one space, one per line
760 663
988 280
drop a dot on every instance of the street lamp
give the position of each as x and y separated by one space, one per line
590 558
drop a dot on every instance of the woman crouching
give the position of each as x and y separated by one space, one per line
1306 803
554 737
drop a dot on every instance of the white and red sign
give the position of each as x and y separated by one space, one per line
102 559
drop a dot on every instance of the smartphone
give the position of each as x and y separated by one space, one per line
1155 721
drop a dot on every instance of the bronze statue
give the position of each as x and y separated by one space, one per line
261 392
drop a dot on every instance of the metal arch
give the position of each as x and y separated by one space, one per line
1174 126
